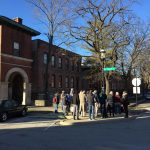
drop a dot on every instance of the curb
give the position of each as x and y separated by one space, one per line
134 104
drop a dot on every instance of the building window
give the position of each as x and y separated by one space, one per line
72 82
66 82
78 66
67 63
53 81
53 61
45 58
77 83
59 62
60 82
72 65
16 51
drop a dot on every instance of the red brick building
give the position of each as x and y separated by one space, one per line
15 59
22 64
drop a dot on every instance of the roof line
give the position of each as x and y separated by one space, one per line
7 20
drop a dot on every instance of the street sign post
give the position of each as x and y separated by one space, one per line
136 82
109 69
136 90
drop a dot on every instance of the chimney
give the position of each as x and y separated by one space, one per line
18 20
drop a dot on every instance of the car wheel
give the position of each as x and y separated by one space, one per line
4 117
24 112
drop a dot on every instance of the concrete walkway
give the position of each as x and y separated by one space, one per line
45 112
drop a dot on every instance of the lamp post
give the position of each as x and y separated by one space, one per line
102 51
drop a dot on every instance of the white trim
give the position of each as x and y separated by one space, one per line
19 70
15 57
15 65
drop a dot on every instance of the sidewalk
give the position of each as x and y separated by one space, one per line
138 102
44 112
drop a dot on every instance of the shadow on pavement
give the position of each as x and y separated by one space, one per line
124 134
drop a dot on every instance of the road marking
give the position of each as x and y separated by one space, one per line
142 117
51 125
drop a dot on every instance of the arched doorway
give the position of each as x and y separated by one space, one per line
15 87
19 87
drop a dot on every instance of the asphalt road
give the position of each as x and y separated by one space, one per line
44 134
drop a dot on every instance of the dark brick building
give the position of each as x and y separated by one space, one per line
64 69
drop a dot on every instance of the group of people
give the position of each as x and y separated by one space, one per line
91 102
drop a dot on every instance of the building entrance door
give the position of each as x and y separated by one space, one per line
15 87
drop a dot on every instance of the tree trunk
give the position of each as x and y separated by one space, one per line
50 38
107 86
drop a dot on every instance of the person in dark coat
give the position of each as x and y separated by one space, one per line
102 100
125 103
75 102
110 103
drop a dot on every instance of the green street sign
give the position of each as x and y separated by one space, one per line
110 69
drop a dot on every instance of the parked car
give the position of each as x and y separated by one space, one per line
147 95
11 108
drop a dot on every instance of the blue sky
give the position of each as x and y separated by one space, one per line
20 8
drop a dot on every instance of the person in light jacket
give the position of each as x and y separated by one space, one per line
63 101
110 104
96 102
82 99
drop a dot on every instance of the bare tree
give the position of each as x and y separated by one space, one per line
54 15
132 55
103 23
